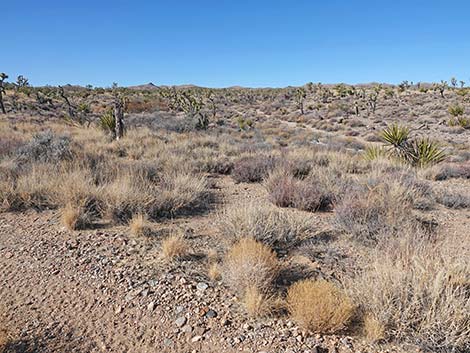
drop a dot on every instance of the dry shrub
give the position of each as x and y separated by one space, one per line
252 169
75 218
274 227
385 209
420 294
374 330
139 225
257 303
214 271
133 193
250 264
307 195
174 247
319 306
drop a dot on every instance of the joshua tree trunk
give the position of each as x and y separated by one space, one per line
119 116
3 77
2 106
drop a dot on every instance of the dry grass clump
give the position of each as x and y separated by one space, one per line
130 194
417 292
265 223
373 329
250 264
75 218
384 209
305 194
252 169
319 306
257 303
174 247
139 225
214 272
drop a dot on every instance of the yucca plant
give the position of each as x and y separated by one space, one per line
395 135
374 152
426 152
460 121
456 110
107 122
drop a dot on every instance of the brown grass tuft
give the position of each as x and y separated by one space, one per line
258 304
319 306
214 271
139 225
174 247
250 264
374 330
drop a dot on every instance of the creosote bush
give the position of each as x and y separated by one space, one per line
319 306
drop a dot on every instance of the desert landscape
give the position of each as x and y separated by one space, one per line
321 218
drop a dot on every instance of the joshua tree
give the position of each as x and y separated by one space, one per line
70 107
462 83
441 87
3 77
21 82
453 82
119 118
300 96
373 97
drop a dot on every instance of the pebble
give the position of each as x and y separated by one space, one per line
196 339
168 342
151 306
180 321
211 314
201 286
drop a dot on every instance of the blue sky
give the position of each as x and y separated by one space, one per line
223 43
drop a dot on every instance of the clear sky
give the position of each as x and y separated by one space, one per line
221 43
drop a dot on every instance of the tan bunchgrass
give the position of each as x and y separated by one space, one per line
214 271
250 264
174 247
374 330
139 225
319 306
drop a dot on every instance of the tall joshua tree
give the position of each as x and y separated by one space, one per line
3 77
119 117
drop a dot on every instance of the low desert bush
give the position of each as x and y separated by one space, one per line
449 171
257 303
174 247
76 217
131 193
304 194
280 229
370 213
252 169
417 293
250 264
453 199
45 147
319 306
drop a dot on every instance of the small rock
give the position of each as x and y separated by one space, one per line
151 306
211 314
196 339
168 342
201 286
180 321
187 329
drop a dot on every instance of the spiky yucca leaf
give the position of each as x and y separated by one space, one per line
107 121
427 152
374 152
395 135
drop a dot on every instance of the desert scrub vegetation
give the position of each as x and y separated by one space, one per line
305 194
319 306
417 292
174 247
420 152
250 264
277 228
252 169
